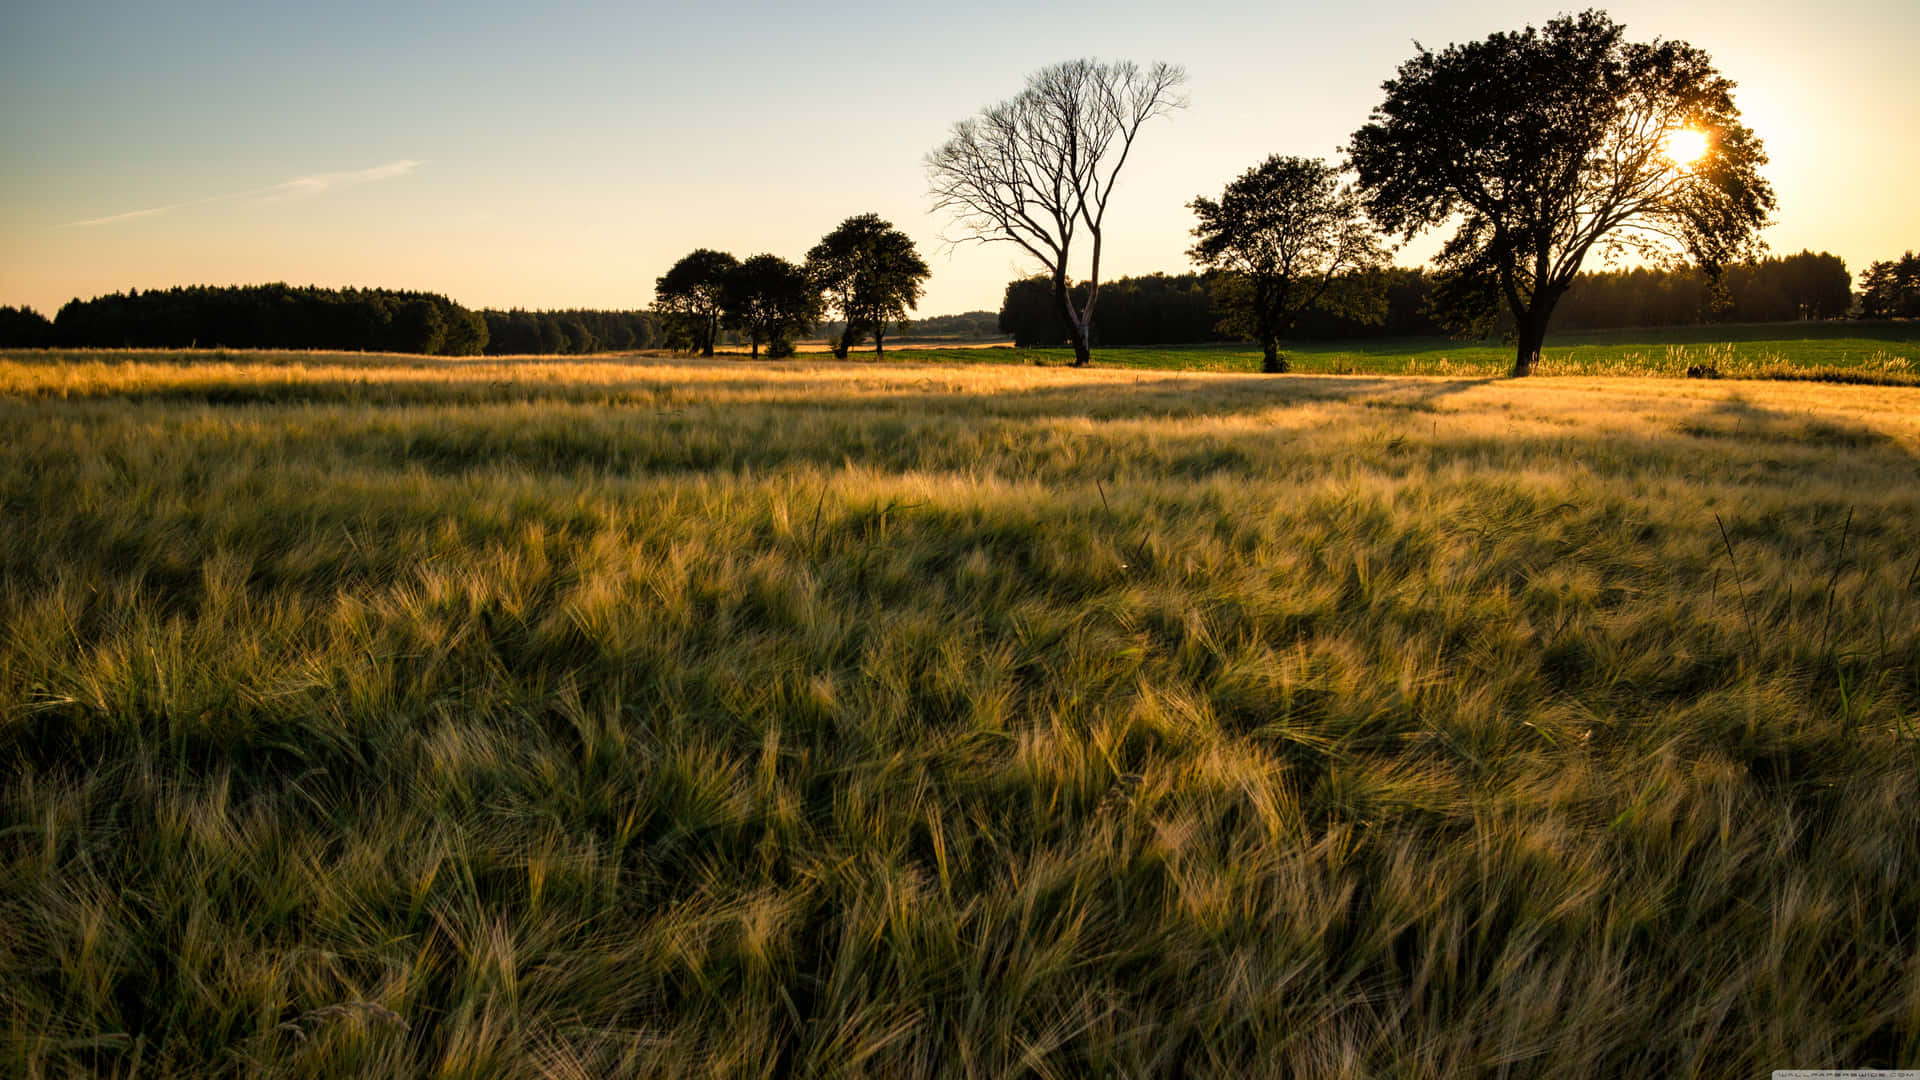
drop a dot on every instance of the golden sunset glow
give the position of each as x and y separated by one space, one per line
1685 145
206 179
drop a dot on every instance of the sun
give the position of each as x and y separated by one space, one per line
1686 145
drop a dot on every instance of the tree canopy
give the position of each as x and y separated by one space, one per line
1890 288
1039 169
691 298
871 274
1547 144
1289 238
773 301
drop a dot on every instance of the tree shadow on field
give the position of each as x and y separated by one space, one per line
1169 397
1175 395
1738 417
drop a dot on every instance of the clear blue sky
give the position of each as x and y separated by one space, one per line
565 155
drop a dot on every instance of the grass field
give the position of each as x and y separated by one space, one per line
375 716
1878 352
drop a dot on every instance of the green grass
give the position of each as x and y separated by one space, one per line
1881 352
369 716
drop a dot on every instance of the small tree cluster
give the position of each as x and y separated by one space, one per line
772 301
767 298
865 270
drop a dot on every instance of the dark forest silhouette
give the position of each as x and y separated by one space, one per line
1178 309
280 316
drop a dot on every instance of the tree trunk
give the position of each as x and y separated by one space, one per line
845 344
1271 361
1531 332
1530 326
707 339
1076 330
1528 353
880 341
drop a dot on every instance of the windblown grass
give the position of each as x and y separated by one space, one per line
362 717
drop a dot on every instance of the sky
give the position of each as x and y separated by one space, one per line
566 154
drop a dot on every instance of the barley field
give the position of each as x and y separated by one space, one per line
379 716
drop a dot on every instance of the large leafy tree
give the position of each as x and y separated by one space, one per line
691 298
773 301
1289 239
871 274
1039 169
1548 145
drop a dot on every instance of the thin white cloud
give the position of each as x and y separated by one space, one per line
128 216
313 185
298 188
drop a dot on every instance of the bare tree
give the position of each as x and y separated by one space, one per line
1039 168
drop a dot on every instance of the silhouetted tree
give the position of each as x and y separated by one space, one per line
513 333
1890 289
1040 167
1288 238
1548 143
690 298
466 333
1817 284
579 339
772 300
871 274
417 326
24 328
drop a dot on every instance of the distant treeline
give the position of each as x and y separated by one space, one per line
1179 309
280 316
966 326
276 316
1803 286
517 333
1170 309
